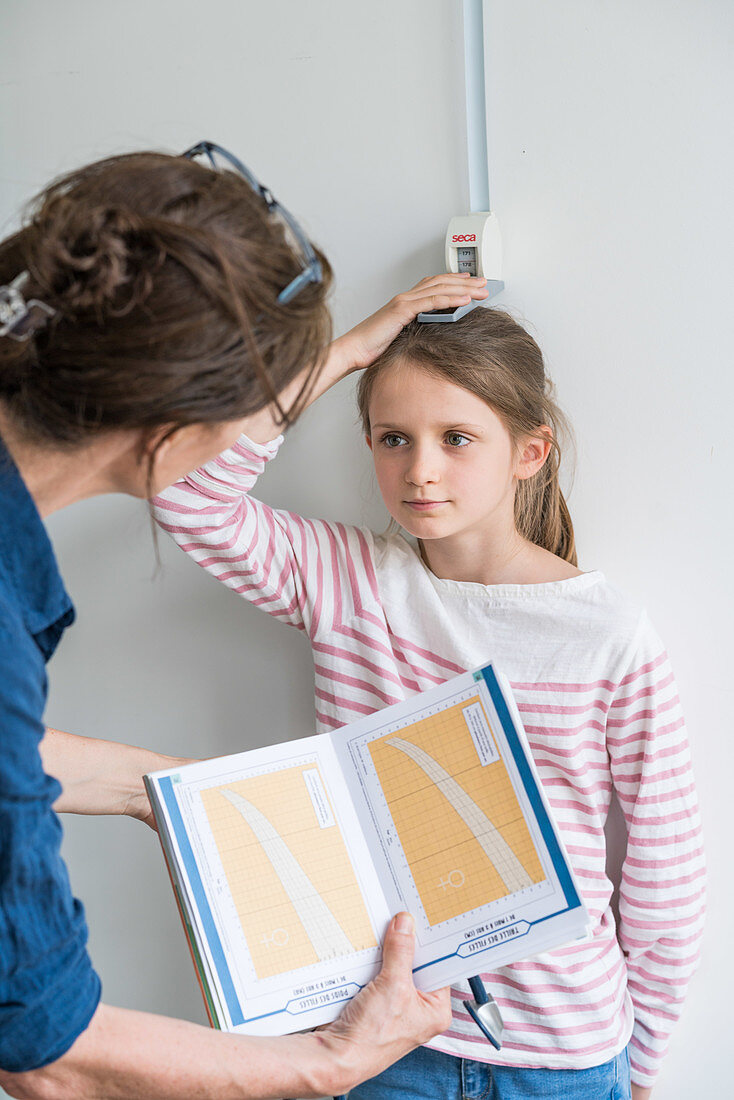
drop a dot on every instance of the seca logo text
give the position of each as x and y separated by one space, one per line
463 237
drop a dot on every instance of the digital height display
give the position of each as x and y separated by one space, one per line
467 260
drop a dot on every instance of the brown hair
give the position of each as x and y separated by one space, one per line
492 356
164 275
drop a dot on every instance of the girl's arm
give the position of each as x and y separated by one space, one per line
663 877
361 345
300 571
286 565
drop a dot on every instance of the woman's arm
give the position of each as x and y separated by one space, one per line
359 347
100 777
125 1054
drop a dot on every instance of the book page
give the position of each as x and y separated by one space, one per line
459 829
287 912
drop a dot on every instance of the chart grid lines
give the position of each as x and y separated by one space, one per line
458 820
498 851
290 880
323 930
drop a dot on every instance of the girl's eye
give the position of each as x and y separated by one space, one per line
456 439
392 439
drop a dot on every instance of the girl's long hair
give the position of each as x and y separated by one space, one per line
164 276
489 354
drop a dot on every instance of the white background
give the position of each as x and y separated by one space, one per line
611 164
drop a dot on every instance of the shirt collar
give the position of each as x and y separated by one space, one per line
27 561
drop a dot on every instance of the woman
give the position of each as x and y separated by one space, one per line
149 310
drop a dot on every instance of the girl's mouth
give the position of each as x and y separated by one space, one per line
424 505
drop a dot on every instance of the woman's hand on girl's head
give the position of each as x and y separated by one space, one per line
361 345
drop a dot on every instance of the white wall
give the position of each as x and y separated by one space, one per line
610 173
610 146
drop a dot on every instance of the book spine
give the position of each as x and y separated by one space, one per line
163 837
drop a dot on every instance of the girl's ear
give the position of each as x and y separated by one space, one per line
368 439
533 453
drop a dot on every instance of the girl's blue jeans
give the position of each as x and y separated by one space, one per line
430 1075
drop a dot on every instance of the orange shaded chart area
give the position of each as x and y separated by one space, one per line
288 870
458 820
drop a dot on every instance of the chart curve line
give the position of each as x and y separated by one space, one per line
498 851
328 938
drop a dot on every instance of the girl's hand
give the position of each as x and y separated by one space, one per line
361 345
641 1093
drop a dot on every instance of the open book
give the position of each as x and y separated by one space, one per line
289 861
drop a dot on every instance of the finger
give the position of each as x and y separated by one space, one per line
459 289
398 948
440 1003
443 301
409 308
447 281
462 291
430 282
449 275
452 276
438 998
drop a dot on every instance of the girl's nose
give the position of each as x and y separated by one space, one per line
422 469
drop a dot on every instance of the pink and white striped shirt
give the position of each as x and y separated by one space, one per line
600 707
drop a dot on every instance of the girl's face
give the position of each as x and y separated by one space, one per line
445 463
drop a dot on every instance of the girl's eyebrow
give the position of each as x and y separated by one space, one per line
450 426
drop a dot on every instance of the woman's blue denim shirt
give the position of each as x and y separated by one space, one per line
48 988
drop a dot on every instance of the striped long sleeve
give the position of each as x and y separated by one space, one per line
663 878
298 570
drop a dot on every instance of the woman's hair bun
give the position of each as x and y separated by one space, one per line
81 256
164 275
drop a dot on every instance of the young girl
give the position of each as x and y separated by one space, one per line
464 436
